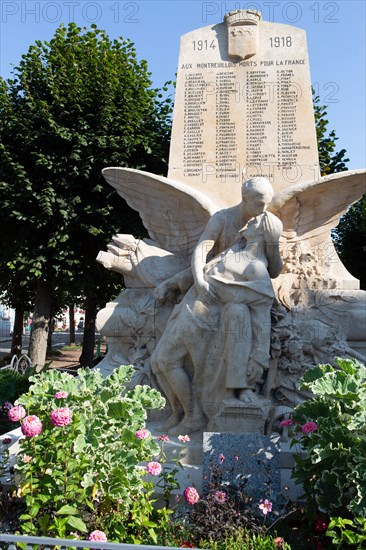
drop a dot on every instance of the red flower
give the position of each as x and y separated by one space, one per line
320 525
187 544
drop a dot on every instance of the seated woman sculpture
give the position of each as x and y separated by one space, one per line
216 344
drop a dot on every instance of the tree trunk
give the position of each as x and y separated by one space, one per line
87 354
40 324
50 333
72 324
16 342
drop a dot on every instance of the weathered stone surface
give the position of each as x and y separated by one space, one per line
243 109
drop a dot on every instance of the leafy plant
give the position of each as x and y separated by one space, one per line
80 462
167 478
332 429
346 533
12 385
71 347
225 508
245 540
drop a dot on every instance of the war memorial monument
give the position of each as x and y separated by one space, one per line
238 289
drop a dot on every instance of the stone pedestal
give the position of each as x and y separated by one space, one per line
238 417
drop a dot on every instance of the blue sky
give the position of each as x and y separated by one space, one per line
335 35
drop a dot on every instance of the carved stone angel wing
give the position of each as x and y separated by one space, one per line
174 214
313 209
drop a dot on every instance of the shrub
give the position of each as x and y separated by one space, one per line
346 533
82 472
331 429
245 540
12 385
225 510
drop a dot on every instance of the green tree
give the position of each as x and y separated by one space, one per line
331 161
76 104
350 240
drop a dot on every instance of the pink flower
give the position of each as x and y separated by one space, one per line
61 417
191 495
142 434
286 422
221 458
236 457
309 427
61 395
154 468
31 426
26 459
98 536
220 496
265 506
279 541
184 438
6 441
16 413
163 438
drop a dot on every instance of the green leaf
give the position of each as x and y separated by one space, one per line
25 516
118 410
44 521
79 443
153 535
77 523
67 510
33 510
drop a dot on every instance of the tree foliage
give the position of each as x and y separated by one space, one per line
350 240
76 104
330 161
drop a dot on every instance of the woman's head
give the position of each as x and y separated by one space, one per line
265 229
265 225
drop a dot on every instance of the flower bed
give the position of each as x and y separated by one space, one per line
88 468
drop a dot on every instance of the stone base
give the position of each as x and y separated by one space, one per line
238 417
192 459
